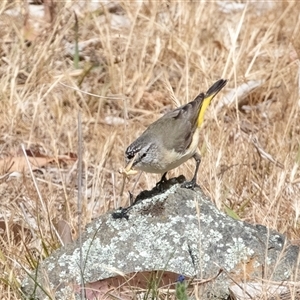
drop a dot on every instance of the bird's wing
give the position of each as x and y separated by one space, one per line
177 127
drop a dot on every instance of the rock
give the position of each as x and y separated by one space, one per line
171 229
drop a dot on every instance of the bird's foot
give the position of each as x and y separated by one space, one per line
190 184
160 185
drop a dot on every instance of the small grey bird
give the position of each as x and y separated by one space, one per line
172 139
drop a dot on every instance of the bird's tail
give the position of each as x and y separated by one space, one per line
210 94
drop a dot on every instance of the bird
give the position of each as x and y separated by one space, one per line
172 139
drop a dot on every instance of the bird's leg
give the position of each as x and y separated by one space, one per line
191 184
162 180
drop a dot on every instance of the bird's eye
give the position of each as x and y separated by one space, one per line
130 155
144 154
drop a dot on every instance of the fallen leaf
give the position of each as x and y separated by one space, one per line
36 160
13 231
64 231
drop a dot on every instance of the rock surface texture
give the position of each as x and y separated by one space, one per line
175 230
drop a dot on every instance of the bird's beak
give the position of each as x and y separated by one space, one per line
127 171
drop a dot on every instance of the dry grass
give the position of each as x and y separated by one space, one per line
188 44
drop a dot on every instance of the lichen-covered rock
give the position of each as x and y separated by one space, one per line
176 230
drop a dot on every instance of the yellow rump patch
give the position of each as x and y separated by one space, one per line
204 106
